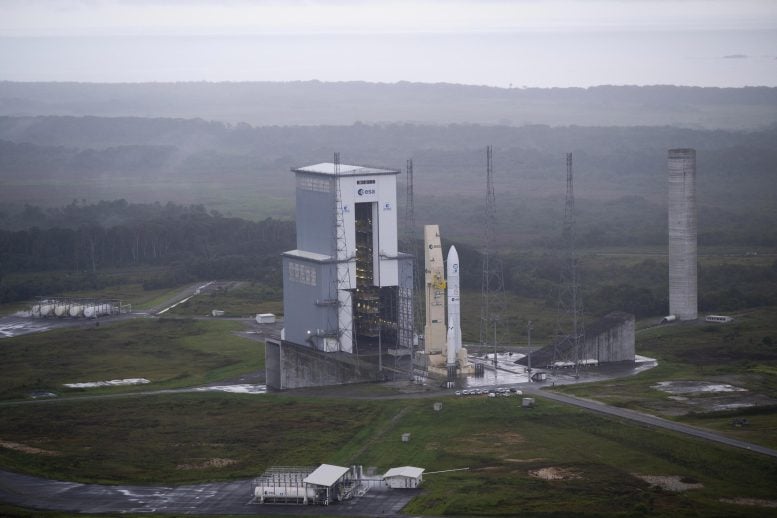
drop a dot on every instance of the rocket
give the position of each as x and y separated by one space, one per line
453 343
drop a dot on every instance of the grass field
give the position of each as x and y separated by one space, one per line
187 437
170 353
238 299
743 353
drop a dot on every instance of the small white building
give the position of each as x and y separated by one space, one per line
718 319
404 477
265 318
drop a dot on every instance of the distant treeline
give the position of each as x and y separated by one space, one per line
90 239
82 246
343 103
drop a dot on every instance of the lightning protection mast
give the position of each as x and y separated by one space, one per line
492 285
569 320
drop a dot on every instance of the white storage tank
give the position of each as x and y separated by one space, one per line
61 310
76 310
90 312
46 309
284 494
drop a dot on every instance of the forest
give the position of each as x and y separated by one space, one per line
80 243
192 181
81 246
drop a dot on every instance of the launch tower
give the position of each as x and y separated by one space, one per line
346 287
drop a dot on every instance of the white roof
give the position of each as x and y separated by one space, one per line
304 254
404 471
326 475
345 169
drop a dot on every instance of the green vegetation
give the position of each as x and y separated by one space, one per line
171 353
172 438
188 437
239 299
71 251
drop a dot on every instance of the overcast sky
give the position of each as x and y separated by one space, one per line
497 42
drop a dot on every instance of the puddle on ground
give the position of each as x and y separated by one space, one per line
109 383
695 387
235 389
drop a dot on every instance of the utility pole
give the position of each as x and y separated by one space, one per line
528 333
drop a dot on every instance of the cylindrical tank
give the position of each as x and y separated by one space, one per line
61 310
76 310
35 311
89 312
283 493
46 309
682 234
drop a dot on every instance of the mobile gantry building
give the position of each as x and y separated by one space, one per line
346 287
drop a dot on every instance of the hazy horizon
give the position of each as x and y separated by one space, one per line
717 43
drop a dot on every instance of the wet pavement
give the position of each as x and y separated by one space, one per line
510 374
233 497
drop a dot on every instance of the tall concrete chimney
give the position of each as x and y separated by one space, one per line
682 234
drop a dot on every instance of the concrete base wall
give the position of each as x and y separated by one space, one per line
290 366
608 340
613 344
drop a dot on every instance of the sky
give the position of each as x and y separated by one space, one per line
493 42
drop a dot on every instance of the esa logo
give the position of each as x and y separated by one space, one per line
363 192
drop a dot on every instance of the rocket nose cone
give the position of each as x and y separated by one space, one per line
453 255
453 263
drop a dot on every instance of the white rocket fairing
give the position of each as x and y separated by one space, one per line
453 343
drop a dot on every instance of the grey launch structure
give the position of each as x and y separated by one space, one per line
347 290
682 234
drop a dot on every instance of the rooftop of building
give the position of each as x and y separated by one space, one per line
326 475
328 168
404 471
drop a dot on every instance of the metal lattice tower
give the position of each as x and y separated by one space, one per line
569 320
410 246
342 263
409 205
492 286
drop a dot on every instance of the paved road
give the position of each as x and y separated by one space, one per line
652 421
